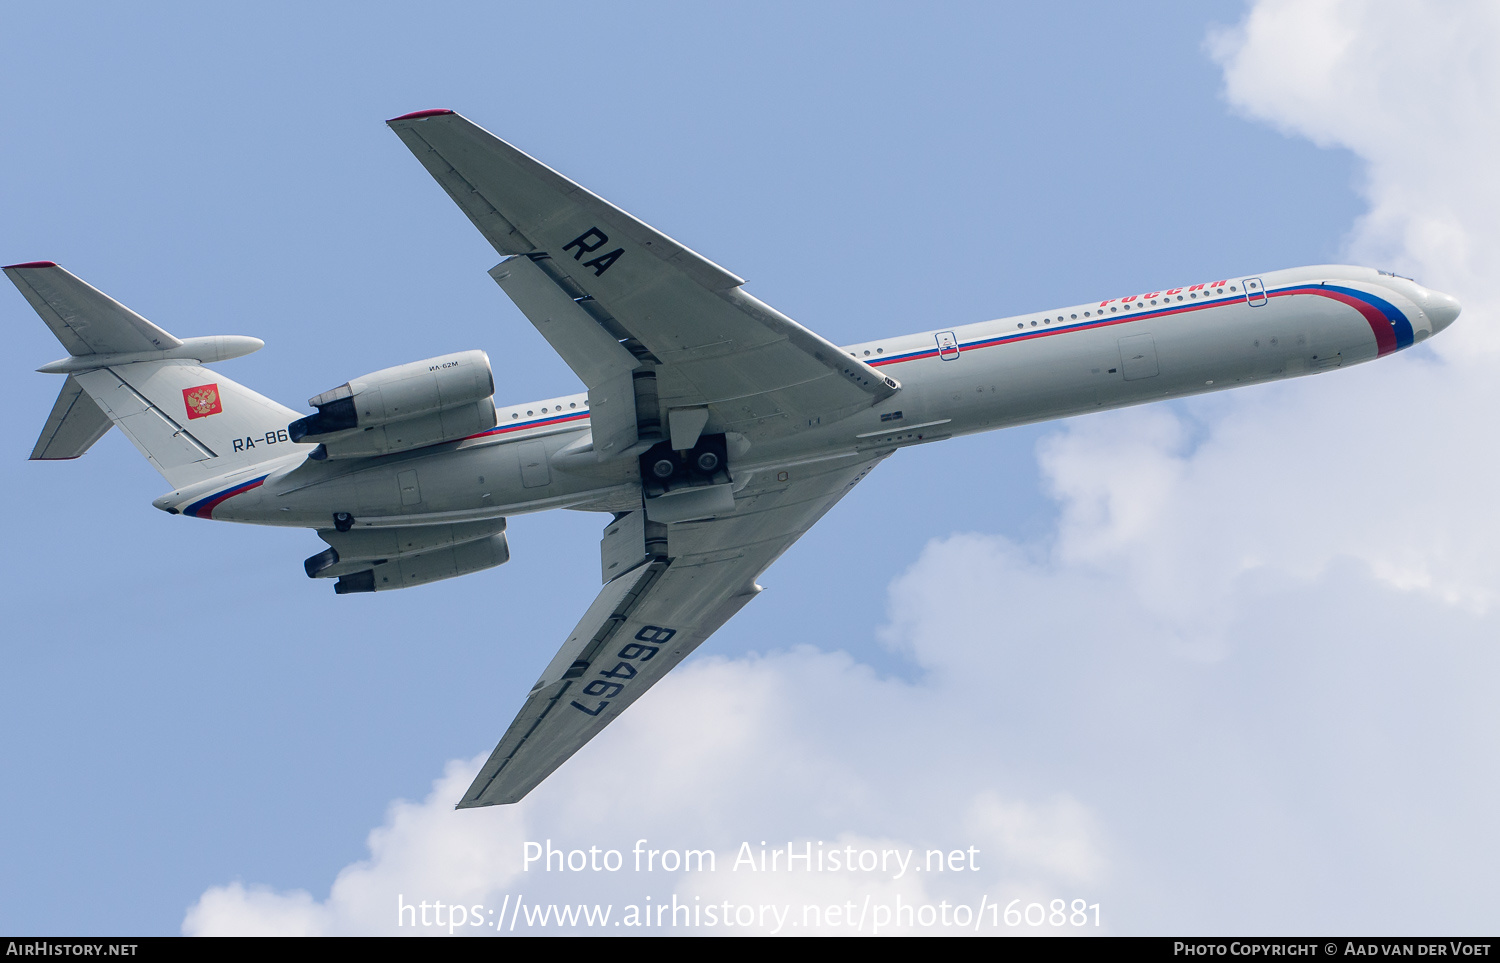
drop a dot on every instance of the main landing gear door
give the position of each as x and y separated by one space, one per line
947 346
1255 292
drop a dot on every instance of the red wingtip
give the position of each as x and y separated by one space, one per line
419 114
31 264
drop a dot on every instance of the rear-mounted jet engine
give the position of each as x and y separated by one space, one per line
409 406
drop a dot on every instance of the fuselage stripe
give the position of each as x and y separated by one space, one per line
539 423
1391 328
204 508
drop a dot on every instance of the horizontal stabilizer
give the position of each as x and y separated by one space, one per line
190 422
74 425
85 319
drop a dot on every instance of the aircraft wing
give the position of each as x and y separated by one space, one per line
674 313
648 619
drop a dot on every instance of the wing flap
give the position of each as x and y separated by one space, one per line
594 354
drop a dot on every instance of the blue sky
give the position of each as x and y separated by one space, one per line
185 709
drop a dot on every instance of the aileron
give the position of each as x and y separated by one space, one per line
531 197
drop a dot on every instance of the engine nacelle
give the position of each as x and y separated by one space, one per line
450 424
353 551
434 566
408 406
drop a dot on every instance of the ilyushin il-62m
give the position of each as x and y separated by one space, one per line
714 430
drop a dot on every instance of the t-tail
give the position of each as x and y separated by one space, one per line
193 424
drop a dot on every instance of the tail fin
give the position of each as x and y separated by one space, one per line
192 423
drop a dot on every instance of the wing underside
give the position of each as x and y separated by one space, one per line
687 321
649 619
672 350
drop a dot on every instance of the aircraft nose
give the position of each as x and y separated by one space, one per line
1440 308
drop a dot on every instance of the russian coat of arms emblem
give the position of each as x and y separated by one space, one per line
202 401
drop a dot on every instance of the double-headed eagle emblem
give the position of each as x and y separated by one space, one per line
202 401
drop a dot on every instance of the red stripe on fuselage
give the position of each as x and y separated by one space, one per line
1053 332
539 423
207 511
1385 335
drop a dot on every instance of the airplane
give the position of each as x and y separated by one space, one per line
714 430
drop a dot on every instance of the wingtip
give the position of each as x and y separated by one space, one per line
420 114
31 264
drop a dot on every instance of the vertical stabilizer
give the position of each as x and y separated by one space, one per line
190 422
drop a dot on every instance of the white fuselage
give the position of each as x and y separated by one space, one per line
995 374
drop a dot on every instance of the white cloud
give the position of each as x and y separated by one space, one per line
1056 841
1410 88
234 910
420 851
799 750
1245 685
